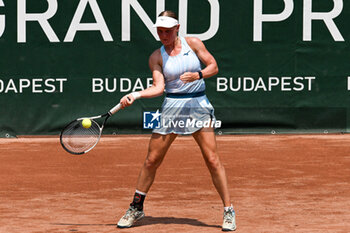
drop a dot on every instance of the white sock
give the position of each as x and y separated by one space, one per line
139 192
226 208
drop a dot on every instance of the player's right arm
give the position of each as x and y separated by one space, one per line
155 65
157 88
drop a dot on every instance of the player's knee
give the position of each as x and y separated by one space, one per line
213 162
152 163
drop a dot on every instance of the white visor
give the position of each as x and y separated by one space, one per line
165 22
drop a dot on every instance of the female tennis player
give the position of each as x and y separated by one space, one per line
176 68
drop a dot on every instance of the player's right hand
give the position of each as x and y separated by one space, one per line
127 100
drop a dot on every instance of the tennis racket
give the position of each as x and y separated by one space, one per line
77 139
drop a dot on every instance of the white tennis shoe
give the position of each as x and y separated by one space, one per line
131 216
229 223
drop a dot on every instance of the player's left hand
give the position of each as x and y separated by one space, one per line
188 77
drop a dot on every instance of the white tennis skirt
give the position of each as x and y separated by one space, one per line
185 115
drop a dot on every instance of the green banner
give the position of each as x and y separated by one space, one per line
282 63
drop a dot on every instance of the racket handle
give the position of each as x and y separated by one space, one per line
115 109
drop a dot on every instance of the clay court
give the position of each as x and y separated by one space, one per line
288 183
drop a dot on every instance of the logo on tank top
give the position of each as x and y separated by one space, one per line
186 54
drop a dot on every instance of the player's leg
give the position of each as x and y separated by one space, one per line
207 143
158 146
205 138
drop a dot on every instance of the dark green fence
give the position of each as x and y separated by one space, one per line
283 63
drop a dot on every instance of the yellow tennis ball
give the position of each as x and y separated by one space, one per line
86 123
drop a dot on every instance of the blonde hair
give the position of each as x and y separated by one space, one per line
169 14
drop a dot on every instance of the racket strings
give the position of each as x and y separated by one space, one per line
78 139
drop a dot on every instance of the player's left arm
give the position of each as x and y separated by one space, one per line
211 67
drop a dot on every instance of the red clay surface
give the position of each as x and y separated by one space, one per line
289 183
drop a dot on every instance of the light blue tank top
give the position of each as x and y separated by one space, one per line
175 66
